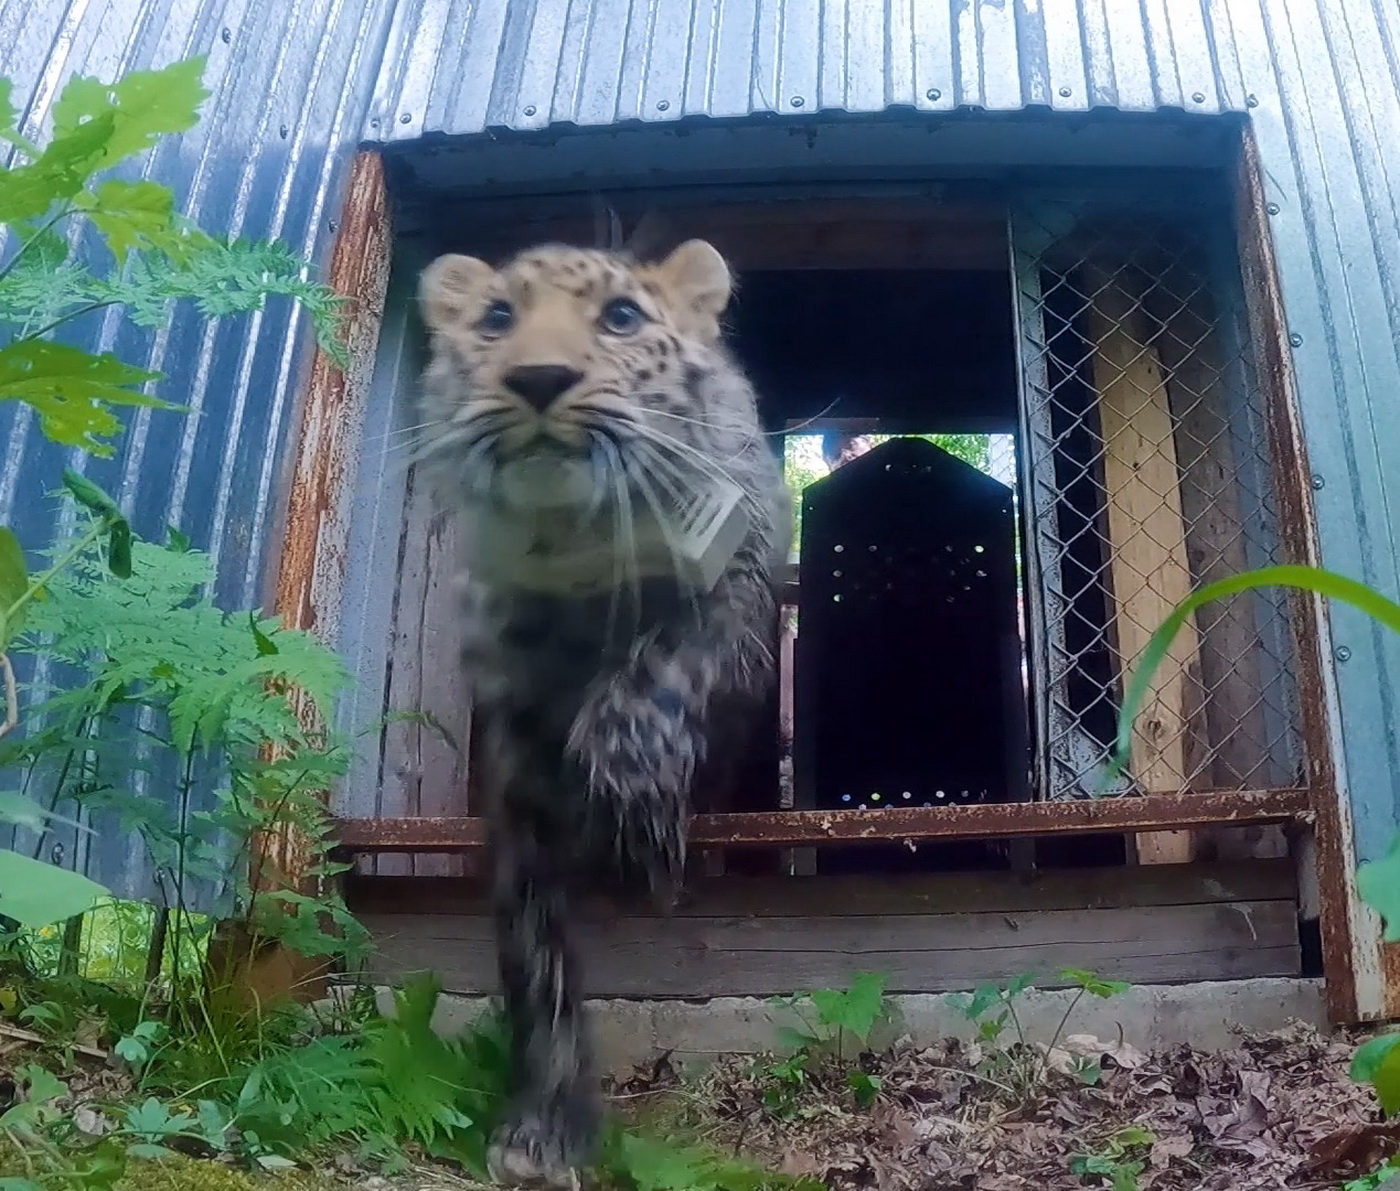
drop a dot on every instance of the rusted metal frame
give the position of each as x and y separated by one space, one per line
1058 737
310 573
1337 905
769 829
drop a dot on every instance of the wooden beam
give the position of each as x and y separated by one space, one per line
1352 947
870 894
1147 562
699 957
767 829
311 568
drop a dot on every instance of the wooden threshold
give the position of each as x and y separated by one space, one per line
758 936
767 829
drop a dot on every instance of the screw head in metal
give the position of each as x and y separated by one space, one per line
934 93
226 36
664 106
1295 339
1065 92
530 111
1318 482
56 854
1251 101
406 118
335 225
797 101
1271 208
1198 97
282 132
1343 653
374 123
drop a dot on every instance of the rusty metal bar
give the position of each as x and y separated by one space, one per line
767 829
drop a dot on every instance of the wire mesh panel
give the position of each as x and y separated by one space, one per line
1148 474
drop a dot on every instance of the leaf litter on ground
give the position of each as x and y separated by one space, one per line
1273 1111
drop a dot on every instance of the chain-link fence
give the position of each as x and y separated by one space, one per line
1147 474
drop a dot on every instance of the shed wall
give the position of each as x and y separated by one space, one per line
296 85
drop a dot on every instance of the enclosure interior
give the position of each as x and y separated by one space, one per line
1023 305
1091 318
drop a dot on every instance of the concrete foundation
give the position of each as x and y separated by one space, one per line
1150 1017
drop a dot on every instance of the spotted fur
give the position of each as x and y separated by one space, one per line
599 680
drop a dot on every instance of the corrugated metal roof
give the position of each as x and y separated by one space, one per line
462 66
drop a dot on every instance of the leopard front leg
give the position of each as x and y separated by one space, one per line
639 745
641 733
552 1122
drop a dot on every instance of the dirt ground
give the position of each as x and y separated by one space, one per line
1277 1111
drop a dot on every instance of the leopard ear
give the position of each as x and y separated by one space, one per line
451 288
698 279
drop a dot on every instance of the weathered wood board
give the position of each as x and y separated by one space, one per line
1189 923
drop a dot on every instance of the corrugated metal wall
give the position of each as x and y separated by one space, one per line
296 83
291 83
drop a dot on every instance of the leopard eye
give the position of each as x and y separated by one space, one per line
622 316
497 321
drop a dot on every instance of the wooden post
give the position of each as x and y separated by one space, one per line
311 570
1147 561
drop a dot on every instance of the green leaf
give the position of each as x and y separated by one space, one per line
9 122
14 582
857 1008
865 1086
1312 579
153 1121
36 894
266 645
58 173
8 1184
982 999
1378 883
1369 1055
1093 984
119 549
1134 1135
42 1085
143 106
1377 1062
134 216
1092 1164
70 390
23 811
176 542
90 496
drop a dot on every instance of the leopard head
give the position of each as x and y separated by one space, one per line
587 379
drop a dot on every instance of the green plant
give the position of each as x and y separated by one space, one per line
1376 1062
1021 1067
153 257
832 1020
1119 1162
1379 1177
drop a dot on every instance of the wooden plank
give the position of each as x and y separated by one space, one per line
444 695
860 896
400 773
1349 951
311 566
1232 733
1147 559
980 821
707 957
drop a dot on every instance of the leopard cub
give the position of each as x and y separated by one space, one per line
622 518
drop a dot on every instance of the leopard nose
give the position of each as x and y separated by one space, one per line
541 384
